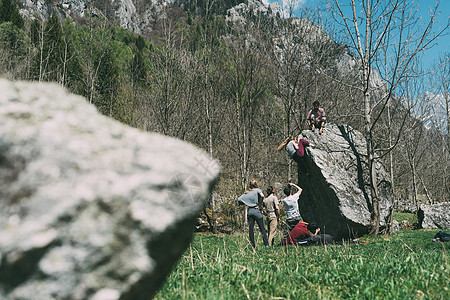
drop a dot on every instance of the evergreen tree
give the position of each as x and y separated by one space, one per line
138 68
140 43
54 48
14 45
73 69
107 82
10 13
35 30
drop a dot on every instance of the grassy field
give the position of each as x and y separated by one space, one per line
405 265
411 218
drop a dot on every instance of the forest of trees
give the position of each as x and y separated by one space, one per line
235 90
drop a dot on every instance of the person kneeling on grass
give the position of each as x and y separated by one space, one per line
305 234
300 232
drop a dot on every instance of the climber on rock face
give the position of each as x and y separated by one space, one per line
295 150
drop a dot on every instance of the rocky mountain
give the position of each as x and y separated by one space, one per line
137 16
140 16
134 15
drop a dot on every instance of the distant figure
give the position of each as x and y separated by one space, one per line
295 150
316 117
291 204
273 213
252 198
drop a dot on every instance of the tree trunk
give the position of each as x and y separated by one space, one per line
375 213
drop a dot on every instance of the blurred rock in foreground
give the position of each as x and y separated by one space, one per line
90 208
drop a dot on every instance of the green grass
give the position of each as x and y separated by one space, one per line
406 265
400 216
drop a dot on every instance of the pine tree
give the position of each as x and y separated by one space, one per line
107 82
14 45
138 68
35 29
54 46
10 13
140 43
73 72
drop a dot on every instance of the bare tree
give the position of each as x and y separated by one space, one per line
96 39
246 87
373 28
440 82
413 150
208 92
289 59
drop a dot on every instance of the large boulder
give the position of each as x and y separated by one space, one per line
90 208
334 179
434 216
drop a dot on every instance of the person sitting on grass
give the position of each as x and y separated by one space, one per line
307 234
252 198
301 232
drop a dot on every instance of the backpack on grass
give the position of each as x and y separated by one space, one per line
442 237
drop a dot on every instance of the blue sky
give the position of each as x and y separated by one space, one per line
441 46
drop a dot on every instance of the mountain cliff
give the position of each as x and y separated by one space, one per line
134 15
137 16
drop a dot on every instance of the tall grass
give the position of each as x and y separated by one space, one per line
406 265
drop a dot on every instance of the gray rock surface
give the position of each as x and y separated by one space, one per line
334 178
90 208
434 216
404 205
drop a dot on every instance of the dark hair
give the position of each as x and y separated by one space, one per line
316 103
287 190
312 227
253 184
269 190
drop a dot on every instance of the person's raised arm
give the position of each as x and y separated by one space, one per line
299 189
283 144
